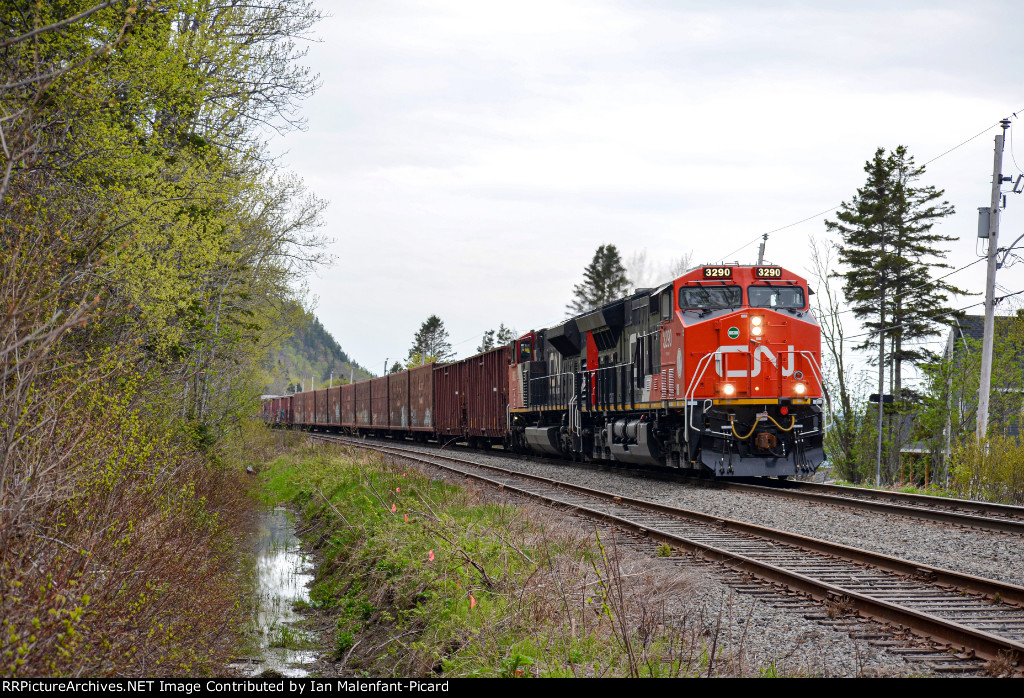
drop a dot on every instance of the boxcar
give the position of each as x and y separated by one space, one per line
398 401
299 408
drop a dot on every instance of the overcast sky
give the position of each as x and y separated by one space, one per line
475 154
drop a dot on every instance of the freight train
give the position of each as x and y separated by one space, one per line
718 371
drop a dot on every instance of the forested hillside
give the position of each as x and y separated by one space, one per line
311 354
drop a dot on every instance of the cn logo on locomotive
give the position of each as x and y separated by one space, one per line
761 351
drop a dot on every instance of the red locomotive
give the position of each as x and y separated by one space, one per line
718 371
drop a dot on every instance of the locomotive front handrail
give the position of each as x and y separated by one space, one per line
688 395
821 384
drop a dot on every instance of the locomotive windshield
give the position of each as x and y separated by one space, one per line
710 298
776 297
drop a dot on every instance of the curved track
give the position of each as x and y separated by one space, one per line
972 614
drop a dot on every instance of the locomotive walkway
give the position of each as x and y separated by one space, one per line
967 616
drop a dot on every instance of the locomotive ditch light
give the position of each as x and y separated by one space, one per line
728 388
799 388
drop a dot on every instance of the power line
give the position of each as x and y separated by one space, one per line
760 235
827 211
898 295
1012 156
936 315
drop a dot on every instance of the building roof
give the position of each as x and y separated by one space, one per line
973 326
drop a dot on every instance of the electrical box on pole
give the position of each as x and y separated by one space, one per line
983 222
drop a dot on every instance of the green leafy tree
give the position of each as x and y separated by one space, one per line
149 250
496 338
950 402
430 344
604 280
891 253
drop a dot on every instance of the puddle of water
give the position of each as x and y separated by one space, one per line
283 575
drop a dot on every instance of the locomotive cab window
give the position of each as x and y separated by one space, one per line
710 297
776 297
525 351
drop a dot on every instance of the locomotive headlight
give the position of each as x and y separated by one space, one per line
757 326
756 320
799 388
728 389
756 331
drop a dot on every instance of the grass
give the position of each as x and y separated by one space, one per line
286 637
426 578
933 490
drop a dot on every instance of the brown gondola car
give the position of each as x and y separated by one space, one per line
487 394
363 414
379 403
299 408
398 401
348 405
321 407
286 409
309 408
334 407
421 398
450 400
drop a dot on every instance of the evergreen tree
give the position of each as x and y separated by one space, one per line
430 344
604 280
396 367
492 339
891 252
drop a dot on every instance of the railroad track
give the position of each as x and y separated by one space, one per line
966 615
962 512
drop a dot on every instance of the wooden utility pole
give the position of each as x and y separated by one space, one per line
881 378
985 384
